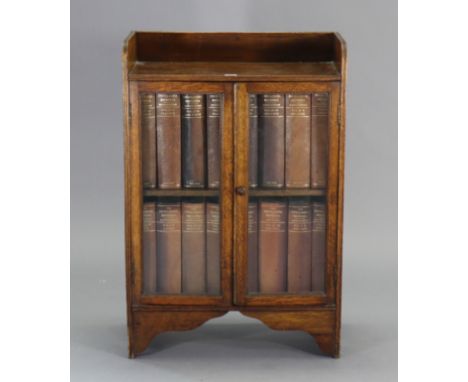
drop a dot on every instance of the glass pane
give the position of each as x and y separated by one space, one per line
181 160
288 150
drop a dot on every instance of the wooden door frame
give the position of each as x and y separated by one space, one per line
134 194
241 144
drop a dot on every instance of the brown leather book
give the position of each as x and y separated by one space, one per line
252 250
271 139
319 139
193 247
149 248
272 243
168 140
168 240
253 141
319 243
299 245
213 263
148 134
193 140
213 132
297 140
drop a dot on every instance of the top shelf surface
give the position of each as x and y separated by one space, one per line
234 56
234 71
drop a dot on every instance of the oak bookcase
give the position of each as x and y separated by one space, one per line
234 168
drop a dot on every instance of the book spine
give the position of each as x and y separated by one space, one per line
148 132
149 248
297 140
213 261
193 248
299 245
318 246
253 141
252 250
272 246
271 134
168 239
193 140
168 140
319 140
213 132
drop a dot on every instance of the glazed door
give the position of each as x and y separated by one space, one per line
285 202
181 191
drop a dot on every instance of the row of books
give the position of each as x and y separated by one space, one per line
181 246
181 140
288 140
286 246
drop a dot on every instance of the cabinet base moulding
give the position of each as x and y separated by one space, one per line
147 324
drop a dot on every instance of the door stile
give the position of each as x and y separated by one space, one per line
241 186
226 196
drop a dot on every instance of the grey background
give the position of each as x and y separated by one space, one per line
233 347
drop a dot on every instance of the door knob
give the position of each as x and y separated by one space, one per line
240 190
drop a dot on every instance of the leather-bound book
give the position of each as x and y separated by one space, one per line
193 140
252 249
299 245
272 246
149 248
168 140
213 132
318 246
168 240
193 247
213 261
253 141
297 140
319 139
271 139
148 134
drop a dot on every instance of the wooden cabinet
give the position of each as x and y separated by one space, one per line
234 166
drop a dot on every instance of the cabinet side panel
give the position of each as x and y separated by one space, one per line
128 58
342 123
